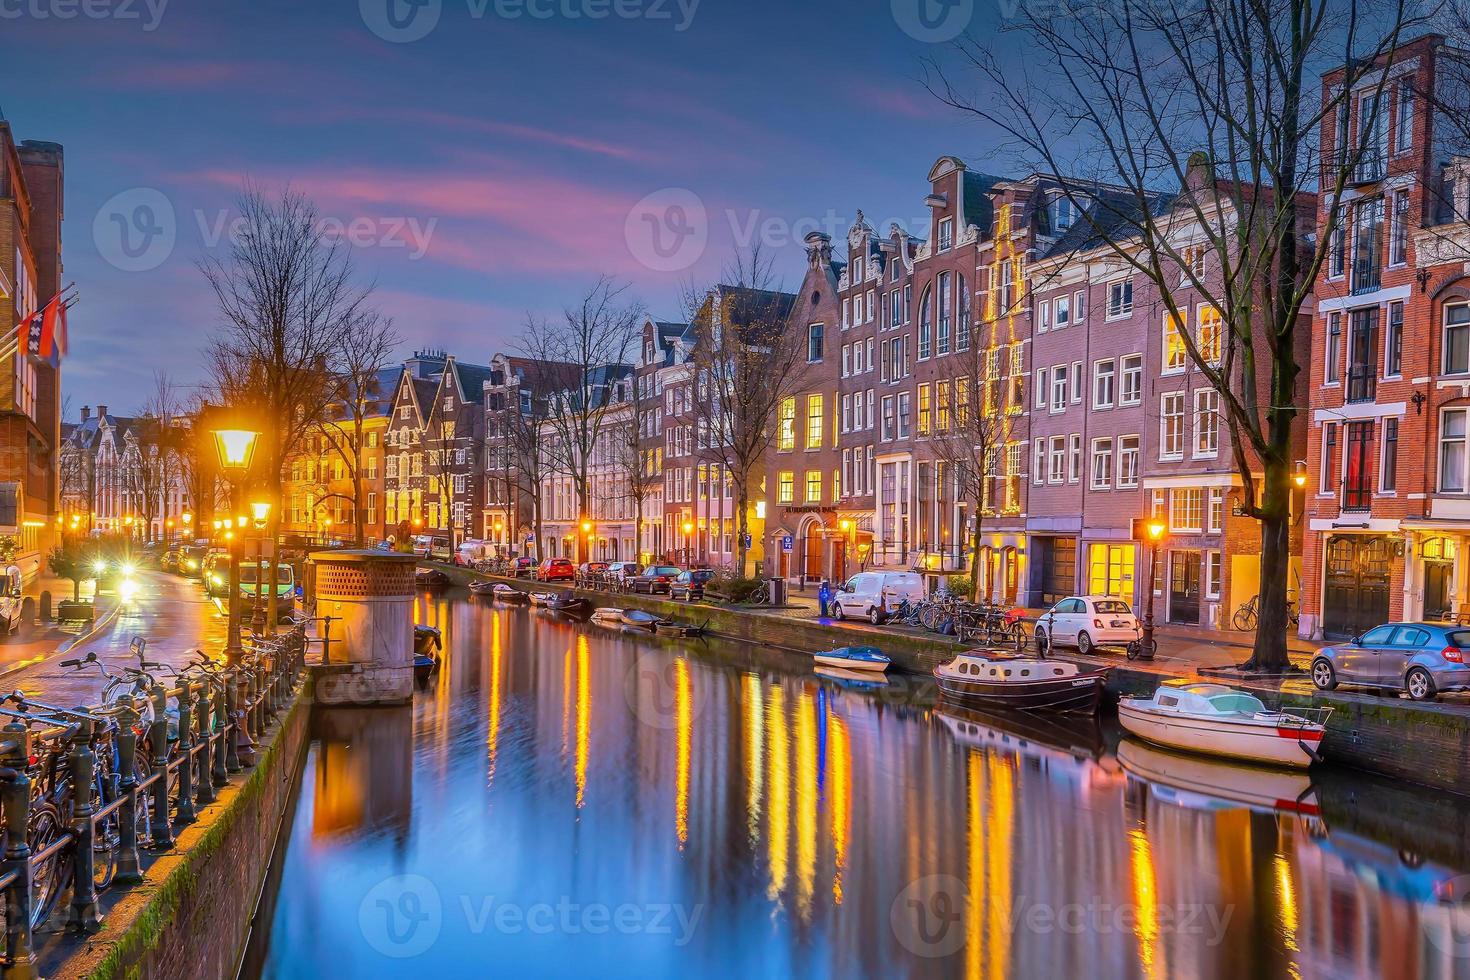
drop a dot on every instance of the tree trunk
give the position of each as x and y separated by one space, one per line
975 536
1270 651
742 528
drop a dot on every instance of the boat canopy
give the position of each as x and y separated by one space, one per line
1209 699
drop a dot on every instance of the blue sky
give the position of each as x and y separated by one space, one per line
495 165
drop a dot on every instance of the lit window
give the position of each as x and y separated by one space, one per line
786 487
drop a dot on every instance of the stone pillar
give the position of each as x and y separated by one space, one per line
368 596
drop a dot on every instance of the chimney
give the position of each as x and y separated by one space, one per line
86 412
102 411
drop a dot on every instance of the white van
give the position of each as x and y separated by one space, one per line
472 551
876 594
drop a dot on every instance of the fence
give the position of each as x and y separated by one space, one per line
59 797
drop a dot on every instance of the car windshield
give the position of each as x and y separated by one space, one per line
247 575
1113 607
664 570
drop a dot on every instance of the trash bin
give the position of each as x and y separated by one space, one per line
778 591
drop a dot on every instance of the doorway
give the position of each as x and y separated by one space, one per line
1184 569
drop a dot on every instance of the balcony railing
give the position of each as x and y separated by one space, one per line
1367 275
1357 498
1362 383
1370 168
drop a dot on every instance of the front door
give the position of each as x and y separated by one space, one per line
1184 587
1355 592
1437 590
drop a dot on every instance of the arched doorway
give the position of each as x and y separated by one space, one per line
812 551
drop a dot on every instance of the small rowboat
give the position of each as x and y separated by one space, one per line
854 658
507 593
571 605
426 645
639 618
990 679
430 578
542 598
483 587
607 617
667 627
1219 720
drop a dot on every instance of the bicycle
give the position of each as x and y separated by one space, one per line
1247 617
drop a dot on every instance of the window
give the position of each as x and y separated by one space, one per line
1038 462
942 407
813 486
1206 423
1171 425
1130 392
1074 458
1452 451
1403 127
1187 509
1456 338
1059 388
1041 388
1104 381
1063 213
1337 244
1064 312
846 413
786 487
1076 382
814 417
1217 509
1393 344
1120 298
1057 470
1214 574
1127 461
1357 489
895 307
946 234
903 415
1210 335
1102 464
813 343
1398 229
786 436
1043 313
1327 478
1333 371
1367 245
924 408
889 419
846 360
1388 472
946 305
1174 352
961 401
926 324
1110 569
1007 287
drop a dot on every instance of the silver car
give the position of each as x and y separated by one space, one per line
1421 659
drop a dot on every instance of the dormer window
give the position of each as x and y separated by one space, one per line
1063 214
946 234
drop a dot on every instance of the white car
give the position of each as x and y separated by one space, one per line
1086 622
875 594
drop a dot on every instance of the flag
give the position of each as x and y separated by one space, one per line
58 338
47 331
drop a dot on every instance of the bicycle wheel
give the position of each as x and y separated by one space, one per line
47 877
930 617
1245 618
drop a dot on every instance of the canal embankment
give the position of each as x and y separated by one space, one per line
1425 743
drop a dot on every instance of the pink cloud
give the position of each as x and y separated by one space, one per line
194 74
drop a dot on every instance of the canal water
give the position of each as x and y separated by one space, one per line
564 799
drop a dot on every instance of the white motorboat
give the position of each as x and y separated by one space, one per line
1219 720
607 616
869 659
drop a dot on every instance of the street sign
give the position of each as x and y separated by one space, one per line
786 543
745 540
530 539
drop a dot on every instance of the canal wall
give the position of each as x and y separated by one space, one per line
1425 743
191 915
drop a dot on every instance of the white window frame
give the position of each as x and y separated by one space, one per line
1124 307
1074 458
1125 372
1123 452
1212 450
1164 452
1101 398
1102 464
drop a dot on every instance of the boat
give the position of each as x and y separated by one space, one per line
542 598
992 679
509 593
1201 716
860 680
483 587
639 618
426 645
571 605
667 627
854 658
1201 783
607 616
430 578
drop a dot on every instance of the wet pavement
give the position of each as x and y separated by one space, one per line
565 799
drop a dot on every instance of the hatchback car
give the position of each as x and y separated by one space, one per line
654 579
620 572
690 585
556 569
523 567
1085 622
1421 659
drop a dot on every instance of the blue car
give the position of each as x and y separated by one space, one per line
1422 659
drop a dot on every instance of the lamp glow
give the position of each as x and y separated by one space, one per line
236 447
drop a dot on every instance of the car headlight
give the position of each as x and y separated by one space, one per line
99 567
128 588
191 565
128 569
214 579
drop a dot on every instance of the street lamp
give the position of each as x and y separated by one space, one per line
260 512
235 448
1155 529
688 529
1299 474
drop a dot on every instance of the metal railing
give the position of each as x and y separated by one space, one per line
83 766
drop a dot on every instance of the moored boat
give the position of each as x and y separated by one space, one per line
426 646
854 658
667 627
639 618
483 587
542 598
989 679
1219 720
569 604
507 593
607 616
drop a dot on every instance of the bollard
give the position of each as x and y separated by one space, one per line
83 917
219 775
46 605
160 830
232 721
15 803
129 866
184 811
203 782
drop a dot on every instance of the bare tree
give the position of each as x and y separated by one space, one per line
359 363
746 361
527 469
1219 99
584 351
630 454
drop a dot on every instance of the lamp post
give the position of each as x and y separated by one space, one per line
1155 529
586 539
260 511
235 448
688 529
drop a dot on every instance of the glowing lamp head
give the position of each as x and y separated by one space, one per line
236 448
1155 530
260 512
586 526
99 567
187 518
229 535
845 525
688 527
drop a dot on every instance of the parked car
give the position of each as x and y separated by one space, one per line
591 572
191 561
432 546
621 572
556 569
470 552
689 585
875 594
1422 659
522 567
170 560
1085 622
654 579
216 572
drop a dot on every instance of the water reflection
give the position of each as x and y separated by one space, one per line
565 798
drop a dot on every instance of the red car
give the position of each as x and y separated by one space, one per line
554 569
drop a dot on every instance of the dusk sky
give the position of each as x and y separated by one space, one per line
492 166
